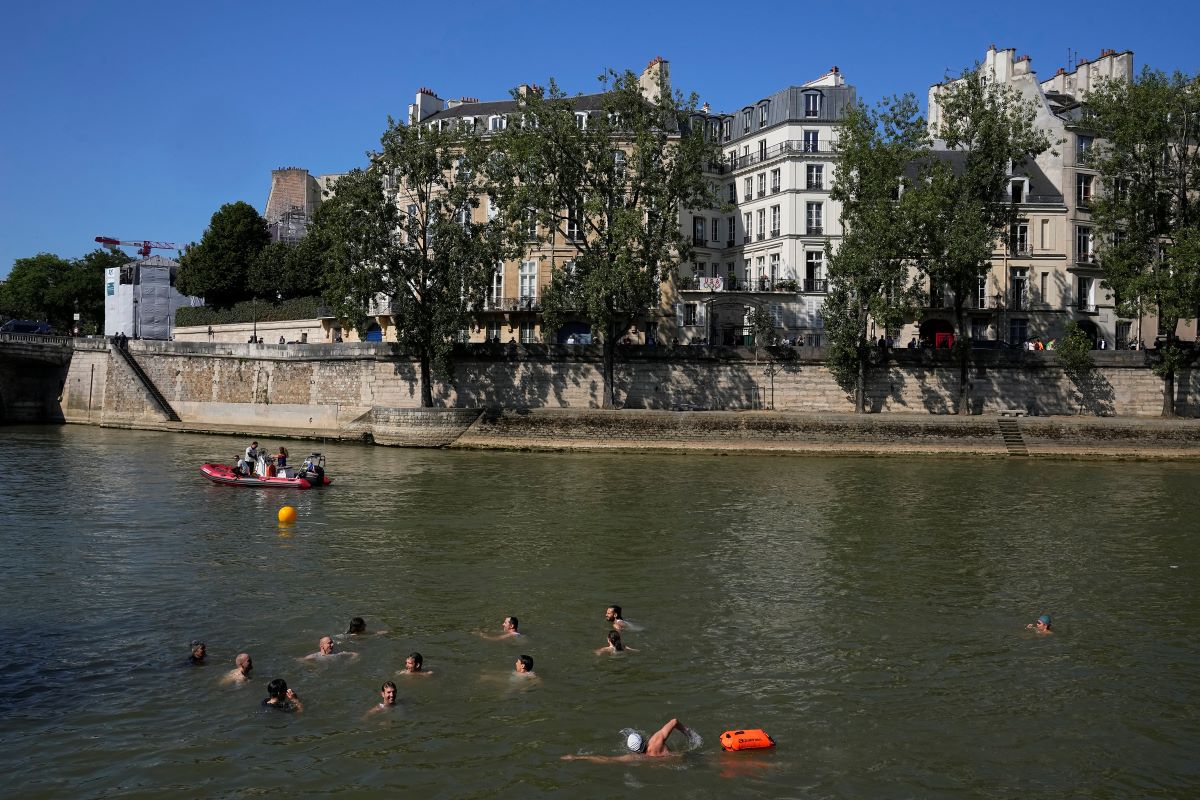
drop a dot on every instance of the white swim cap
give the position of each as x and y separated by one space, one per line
635 742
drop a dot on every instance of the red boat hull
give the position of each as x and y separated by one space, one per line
223 473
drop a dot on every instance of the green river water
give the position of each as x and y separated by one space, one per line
868 613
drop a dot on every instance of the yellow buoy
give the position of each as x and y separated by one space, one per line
287 515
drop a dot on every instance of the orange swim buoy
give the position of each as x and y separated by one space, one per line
749 739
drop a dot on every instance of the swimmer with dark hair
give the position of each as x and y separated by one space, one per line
281 698
638 746
612 615
413 665
199 651
358 627
1041 625
241 671
615 645
508 630
523 666
387 693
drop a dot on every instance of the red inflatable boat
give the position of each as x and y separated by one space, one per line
308 476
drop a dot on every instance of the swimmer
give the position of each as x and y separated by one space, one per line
388 694
358 627
241 672
1041 625
199 651
281 698
523 667
412 665
327 651
639 748
508 630
615 645
612 614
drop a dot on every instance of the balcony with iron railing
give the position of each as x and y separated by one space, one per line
762 192
1018 248
746 239
1085 306
775 188
816 230
775 233
815 285
493 303
783 149
1088 258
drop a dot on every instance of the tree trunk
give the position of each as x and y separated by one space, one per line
1168 409
426 381
610 357
860 386
963 346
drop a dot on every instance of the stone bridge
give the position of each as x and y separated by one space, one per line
33 371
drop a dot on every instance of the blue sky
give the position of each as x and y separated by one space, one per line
139 119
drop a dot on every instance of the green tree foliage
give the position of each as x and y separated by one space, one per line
620 181
218 268
963 207
420 247
48 288
870 275
284 270
1148 214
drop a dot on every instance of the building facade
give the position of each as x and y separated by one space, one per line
764 247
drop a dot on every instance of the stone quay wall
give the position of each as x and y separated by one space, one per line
372 392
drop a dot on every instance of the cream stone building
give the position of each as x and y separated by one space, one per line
764 246
1046 274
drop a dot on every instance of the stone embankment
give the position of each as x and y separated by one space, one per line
694 399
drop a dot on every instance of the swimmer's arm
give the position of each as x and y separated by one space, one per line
291 695
602 650
658 742
602 759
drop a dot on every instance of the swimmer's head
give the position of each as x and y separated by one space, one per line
243 662
413 662
612 613
326 644
388 693
614 639
198 649
277 688
510 624
357 625
635 743
1044 619
524 663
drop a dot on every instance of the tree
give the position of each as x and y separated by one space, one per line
870 275
962 206
217 268
418 247
610 185
1148 215
50 288
285 270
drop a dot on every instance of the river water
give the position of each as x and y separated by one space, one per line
867 612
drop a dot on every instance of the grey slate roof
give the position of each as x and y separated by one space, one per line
583 102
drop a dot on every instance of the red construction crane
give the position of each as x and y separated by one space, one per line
144 247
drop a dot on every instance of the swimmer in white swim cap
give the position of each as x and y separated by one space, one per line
639 747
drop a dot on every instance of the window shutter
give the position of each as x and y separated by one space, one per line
701 311
679 315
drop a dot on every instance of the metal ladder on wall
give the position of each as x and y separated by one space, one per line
1010 431
163 405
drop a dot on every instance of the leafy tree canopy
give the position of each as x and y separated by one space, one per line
218 268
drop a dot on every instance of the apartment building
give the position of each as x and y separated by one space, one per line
1045 273
511 311
764 246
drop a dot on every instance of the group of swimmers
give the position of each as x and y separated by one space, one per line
282 698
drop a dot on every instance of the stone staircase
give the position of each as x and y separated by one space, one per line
1014 442
148 384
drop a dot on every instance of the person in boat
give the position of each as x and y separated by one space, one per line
252 454
239 467
413 665
508 630
199 651
639 747
612 615
241 671
281 457
281 698
387 694
1041 625
326 651
615 645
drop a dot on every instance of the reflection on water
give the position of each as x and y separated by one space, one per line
868 613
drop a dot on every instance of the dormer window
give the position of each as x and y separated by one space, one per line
812 104
581 120
1018 190
763 112
497 123
726 129
746 121
468 124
